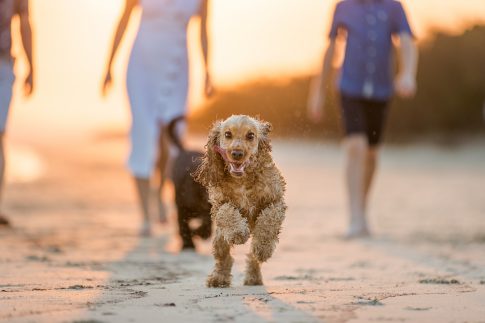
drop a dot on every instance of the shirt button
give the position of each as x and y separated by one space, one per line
371 19
382 15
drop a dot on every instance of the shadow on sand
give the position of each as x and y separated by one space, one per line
150 284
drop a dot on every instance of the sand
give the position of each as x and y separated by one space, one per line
74 254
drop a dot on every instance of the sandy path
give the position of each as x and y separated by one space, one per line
74 255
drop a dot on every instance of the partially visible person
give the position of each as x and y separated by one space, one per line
157 83
366 86
8 10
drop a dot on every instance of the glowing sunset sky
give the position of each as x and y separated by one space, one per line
250 39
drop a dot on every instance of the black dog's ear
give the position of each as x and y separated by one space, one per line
211 168
264 130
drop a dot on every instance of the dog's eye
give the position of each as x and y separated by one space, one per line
228 134
250 136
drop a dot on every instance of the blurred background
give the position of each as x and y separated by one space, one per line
262 56
75 242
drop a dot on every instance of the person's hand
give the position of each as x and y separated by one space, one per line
108 81
208 86
29 84
405 86
315 106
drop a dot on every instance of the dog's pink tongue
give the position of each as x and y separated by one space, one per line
221 152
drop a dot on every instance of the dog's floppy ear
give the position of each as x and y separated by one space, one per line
264 130
211 168
214 135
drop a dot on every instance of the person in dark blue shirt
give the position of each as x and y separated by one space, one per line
367 82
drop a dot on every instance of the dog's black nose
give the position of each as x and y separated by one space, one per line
237 154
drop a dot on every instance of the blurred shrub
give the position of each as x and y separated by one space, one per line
282 103
450 99
451 88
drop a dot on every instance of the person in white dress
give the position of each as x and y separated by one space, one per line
157 84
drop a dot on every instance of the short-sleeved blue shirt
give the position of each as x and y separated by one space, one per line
367 69
8 9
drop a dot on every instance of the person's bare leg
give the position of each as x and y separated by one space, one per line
3 220
371 165
356 147
163 157
2 164
143 190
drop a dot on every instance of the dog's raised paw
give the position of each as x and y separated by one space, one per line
237 237
216 280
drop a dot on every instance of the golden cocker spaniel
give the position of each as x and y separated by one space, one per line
246 191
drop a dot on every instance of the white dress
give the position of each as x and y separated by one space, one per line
157 79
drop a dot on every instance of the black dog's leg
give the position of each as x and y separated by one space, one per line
184 229
205 229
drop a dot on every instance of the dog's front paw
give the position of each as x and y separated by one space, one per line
253 280
262 251
217 280
237 236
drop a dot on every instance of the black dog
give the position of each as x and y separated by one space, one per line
191 198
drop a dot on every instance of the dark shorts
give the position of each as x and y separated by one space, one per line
363 116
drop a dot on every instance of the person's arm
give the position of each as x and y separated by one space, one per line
316 98
406 79
120 31
405 83
22 9
204 40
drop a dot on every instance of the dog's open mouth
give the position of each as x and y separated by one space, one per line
235 168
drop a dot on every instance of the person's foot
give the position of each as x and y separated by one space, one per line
146 229
357 229
4 222
357 233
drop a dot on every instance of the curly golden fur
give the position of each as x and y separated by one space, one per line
246 191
